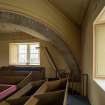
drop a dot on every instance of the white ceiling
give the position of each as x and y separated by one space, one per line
73 9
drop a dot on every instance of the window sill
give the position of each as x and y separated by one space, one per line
26 65
101 83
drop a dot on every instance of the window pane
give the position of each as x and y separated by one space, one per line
22 58
22 54
23 48
29 53
34 59
34 49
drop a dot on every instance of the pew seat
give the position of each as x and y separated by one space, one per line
15 79
27 90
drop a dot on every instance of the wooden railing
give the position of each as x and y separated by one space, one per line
79 87
84 84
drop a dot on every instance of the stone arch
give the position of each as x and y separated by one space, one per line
43 29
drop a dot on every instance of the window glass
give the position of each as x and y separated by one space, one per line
34 54
22 54
34 59
22 48
34 48
22 58
26 53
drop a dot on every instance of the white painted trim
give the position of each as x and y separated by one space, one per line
101 83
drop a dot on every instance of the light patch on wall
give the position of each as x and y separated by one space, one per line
98 46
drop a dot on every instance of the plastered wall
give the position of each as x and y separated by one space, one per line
43 10
5 39
96 94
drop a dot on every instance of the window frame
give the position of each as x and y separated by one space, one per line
28 55
95 76
99 80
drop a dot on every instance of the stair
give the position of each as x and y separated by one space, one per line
78 100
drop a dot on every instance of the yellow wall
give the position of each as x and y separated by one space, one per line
96 94
44 11
5 39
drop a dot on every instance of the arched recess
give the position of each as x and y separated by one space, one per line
28 23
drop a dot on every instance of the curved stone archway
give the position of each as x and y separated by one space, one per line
36 25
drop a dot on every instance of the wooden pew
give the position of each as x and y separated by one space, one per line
50 87
15 82
27 90
14 78
6 90
41 99
38 73
17 101
46 96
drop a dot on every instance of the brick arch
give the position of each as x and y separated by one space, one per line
53 36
